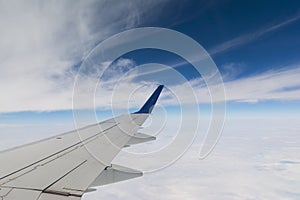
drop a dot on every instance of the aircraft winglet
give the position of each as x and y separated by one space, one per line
150 103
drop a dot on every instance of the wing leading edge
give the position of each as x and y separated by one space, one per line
66 166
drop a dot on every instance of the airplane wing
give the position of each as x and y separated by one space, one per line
66 166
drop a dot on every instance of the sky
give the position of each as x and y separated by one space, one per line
55 76
43 46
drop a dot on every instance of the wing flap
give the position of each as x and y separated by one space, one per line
50 196
115 173
140 138
15 194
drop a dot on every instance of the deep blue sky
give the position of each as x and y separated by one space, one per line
212 23
266 33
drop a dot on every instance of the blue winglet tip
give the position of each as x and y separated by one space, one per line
150 103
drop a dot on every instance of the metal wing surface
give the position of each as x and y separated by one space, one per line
66 166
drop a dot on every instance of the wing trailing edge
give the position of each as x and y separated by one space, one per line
140 138
115 173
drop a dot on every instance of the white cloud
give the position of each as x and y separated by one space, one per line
255 159
281 84
41 41
271 85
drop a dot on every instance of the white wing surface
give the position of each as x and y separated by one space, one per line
68 165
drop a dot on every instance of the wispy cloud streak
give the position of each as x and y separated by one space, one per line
279 85
249 37
41 42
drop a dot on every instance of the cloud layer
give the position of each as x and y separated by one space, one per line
255 159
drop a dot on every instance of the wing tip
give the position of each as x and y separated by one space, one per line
150 103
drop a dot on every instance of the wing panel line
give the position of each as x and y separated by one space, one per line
50 191
58 152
